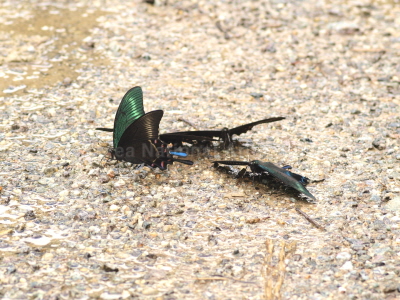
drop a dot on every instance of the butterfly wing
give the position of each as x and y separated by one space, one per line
203 133
189 136
300 178
281 174
140 152
246 127
135 144
209 135
130 110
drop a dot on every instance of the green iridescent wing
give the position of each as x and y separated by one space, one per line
130 109
283 176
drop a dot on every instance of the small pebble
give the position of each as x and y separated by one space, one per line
343 256
148 291
379 144
348 265
257 96
114 207
47 256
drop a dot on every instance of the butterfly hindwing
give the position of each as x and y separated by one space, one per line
135 144
141 152
145 128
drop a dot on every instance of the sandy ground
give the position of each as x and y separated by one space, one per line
74 226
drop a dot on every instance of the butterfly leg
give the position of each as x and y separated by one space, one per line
241 173
138 166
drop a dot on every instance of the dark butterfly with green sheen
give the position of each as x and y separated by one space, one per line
259 168
207 136
135 134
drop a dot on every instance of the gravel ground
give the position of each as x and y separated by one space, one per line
74 226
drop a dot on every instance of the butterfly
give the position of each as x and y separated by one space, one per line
135 134
207 136
259 168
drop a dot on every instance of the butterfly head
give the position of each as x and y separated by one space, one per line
165 156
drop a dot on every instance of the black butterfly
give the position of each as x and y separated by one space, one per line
207 136
259 168
135 134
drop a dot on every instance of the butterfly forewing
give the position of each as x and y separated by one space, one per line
130 109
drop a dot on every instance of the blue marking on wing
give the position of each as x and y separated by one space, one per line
303 180
182 154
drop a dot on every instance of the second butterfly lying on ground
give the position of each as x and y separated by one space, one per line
135 134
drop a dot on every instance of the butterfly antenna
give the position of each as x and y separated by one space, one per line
105 129
101 161
189 123
232 162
